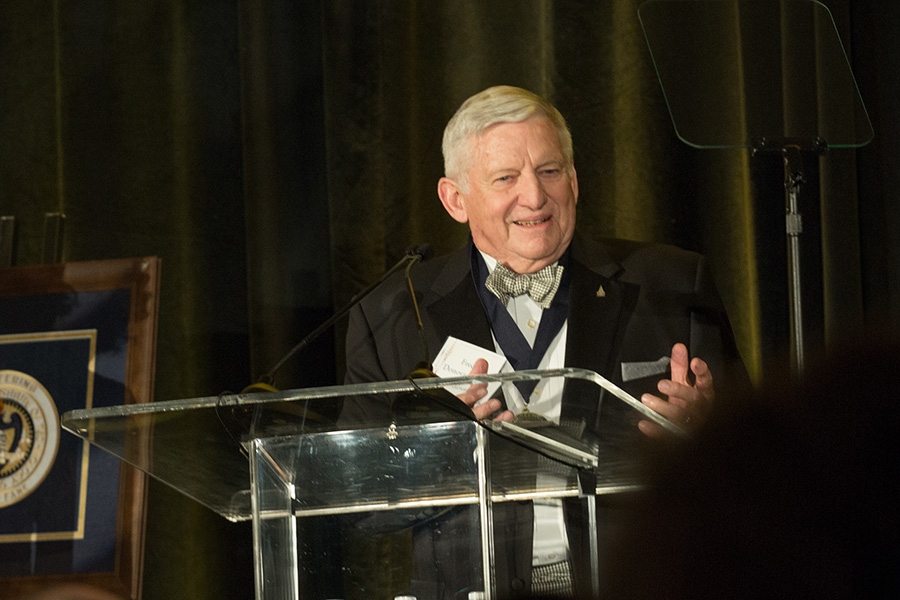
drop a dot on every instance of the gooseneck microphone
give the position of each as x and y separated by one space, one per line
420 253
412 255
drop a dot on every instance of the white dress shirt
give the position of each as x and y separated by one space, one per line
550 544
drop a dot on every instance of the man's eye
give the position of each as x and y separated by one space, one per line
551 172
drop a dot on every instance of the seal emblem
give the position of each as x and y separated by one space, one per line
29 435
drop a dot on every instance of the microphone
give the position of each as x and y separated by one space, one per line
426 406
413 255
421 252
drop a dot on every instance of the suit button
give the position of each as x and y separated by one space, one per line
517 584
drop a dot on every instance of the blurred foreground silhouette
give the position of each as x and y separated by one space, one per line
792 493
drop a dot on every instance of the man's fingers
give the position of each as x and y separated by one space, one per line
483 411
678 393
703 379
476 391
479 368
675 412
679 364
487 410
689 393
653 430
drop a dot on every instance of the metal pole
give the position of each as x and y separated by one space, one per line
793 172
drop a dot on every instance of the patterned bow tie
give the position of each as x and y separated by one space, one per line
540 286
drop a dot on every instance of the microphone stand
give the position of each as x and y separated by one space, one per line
792 152
424 369
413 255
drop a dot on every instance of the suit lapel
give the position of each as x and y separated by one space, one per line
455 309
601 307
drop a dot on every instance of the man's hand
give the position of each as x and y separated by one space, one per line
477 391
688 402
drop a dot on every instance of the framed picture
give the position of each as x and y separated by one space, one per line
75 335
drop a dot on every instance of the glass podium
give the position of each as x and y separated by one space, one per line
342 507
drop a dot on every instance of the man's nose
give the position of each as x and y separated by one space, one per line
531 193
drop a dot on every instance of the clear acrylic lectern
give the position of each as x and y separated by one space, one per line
339 506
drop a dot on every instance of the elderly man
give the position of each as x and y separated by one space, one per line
510 175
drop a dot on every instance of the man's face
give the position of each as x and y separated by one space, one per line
521 200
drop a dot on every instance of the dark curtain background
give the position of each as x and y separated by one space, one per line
280 155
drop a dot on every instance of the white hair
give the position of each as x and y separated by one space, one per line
498 104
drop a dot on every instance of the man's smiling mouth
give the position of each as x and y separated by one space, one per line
531 223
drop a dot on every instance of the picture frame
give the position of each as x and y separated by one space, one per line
72 335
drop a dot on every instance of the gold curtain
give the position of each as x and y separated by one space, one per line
125 117
637 180
281 155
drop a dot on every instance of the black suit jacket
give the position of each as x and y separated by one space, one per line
629 302
652 296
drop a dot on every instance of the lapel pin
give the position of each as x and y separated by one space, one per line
601 293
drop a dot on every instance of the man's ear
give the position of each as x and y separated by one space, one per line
575 185
452 199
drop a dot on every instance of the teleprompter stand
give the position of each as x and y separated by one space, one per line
769 75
